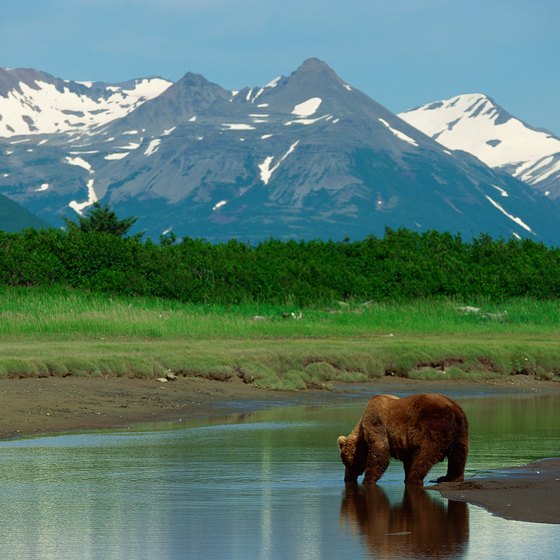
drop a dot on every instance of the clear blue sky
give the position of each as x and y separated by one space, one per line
401 53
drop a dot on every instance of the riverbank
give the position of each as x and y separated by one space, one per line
529 493
34 406
37 406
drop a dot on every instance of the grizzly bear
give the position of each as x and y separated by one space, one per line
420 430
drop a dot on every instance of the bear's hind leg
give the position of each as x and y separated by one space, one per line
456 461
417 467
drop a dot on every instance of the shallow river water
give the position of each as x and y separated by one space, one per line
265 485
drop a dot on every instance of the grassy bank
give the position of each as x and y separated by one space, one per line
64 332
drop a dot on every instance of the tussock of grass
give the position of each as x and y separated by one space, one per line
67 332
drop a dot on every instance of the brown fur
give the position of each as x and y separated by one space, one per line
420 430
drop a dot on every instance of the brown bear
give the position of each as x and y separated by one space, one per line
420 430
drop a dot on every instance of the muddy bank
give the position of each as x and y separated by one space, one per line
49 405
528 493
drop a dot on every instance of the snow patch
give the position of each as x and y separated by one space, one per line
228 126
130 146
306 122
42 188
501 191
536 171
265 168
273 83
153 147
116 156
400 135
219 205
307 108
168 131
515 219
259 93
79 207
79 162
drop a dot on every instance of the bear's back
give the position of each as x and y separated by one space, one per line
413 408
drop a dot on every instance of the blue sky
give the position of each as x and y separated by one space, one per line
401 53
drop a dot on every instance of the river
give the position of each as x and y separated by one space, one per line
264 485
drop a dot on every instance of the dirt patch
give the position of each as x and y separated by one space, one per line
50 405
441 365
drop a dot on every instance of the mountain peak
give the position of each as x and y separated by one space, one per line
316 68
192 79
475 123
314 64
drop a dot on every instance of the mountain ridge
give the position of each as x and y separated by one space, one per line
35 102
305 156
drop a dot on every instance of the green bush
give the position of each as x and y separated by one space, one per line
401 266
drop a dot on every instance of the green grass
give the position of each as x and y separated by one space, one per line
66 332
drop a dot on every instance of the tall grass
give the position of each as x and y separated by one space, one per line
68 332
71 313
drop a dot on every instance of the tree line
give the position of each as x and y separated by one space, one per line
98 254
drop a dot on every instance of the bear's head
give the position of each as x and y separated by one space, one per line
353 457
347 448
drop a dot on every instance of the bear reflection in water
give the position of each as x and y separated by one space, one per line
418 525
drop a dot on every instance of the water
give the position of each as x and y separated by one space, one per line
260 486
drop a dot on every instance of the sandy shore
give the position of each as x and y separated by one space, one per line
54 405
529 493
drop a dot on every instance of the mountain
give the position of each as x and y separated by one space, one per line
478 125
305 156
14 217
33 102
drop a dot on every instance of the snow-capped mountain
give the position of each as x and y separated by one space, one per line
305 156
33 102
476 124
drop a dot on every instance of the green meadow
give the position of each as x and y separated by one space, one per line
61 332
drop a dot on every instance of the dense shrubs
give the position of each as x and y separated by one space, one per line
401 265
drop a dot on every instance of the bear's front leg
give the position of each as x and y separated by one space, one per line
377 463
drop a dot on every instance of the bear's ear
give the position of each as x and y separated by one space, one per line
342 442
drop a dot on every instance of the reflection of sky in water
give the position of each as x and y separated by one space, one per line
269 487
